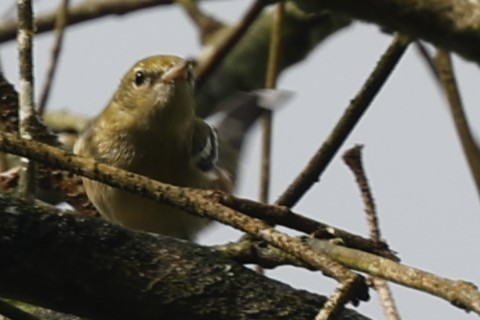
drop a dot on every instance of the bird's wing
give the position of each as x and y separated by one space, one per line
204 146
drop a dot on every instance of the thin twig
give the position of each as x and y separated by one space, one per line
285 217
449 83
11 312
270 83
337 300
312 171
266 116
216 58
60 24
385 295
26 110
353 159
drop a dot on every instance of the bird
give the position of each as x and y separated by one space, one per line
149 127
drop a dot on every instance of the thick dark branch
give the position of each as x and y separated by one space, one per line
89 267
450 24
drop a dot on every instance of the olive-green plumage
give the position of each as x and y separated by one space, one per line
149 127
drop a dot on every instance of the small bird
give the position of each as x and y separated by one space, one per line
150 128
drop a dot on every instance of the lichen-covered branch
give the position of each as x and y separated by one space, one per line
462 294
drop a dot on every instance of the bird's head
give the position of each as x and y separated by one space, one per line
157 84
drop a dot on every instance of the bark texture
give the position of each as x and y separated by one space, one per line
88 267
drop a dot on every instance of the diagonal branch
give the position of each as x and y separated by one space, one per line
352 115
471 148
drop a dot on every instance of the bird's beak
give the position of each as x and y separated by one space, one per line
179 71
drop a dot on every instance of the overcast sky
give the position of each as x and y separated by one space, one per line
428 207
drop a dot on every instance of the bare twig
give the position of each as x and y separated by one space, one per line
216 58
386 298
449 83
60 24
353 159
359 104
337 300
270 83
26 108
266 115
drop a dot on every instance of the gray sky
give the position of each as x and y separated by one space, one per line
427 204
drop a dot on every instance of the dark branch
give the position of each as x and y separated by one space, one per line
88 267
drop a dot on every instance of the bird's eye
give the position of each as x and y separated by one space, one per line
139 78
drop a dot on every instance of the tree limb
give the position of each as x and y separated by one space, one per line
449 24
91 268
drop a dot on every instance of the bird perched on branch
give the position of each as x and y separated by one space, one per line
150 128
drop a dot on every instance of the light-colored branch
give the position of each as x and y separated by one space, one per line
26 109
462 294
